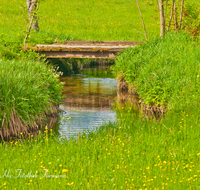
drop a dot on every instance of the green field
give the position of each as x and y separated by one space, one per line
82 20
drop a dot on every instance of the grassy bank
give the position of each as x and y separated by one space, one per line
29 91
164 72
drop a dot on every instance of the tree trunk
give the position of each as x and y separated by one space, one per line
33 6
162 18
181 14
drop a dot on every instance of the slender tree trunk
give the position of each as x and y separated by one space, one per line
175 17
181 14
33 6
142 20
170 20
162 18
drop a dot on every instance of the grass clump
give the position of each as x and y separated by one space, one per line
28 90
164 71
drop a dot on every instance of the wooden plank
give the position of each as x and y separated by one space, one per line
107 43
84 49
78 54
87 48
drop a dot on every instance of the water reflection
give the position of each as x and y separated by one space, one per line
89 97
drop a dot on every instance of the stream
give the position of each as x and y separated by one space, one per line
88 101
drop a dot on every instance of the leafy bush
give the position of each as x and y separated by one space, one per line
164 71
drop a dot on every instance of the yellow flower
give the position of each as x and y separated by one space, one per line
65 170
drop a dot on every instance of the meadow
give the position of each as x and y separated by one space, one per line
132 153
135 152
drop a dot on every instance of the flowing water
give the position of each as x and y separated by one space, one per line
88 103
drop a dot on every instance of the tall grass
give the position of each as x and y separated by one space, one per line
164 71
28 87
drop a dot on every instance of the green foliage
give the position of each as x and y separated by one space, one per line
29 87
165 71
191 19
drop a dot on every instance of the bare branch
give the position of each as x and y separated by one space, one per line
166 9
175 17
142 20
33 6
170 20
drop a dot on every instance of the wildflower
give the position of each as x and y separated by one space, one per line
65 171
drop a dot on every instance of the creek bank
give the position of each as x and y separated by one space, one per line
164 73
17 127
29 97
128 92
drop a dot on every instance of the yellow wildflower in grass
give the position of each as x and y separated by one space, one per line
65 171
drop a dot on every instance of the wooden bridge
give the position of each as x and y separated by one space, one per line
84 49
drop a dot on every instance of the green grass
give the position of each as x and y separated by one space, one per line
132 154
165 71
28 87
82 20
